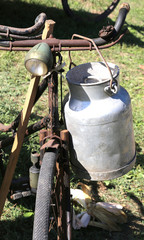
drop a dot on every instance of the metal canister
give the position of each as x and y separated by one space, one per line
98 116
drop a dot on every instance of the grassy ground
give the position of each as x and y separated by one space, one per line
17 218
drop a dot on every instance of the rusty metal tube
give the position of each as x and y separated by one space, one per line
30 130
61 48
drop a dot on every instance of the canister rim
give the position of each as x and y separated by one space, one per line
115 74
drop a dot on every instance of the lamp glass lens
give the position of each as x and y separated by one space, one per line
36 67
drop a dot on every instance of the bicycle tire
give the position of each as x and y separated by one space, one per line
41 228
96 17
43 197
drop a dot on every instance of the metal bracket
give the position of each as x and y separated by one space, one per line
53 142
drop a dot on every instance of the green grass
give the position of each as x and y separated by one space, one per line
17 218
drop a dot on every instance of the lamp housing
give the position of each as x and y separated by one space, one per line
39 60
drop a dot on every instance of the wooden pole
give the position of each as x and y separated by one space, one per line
48 30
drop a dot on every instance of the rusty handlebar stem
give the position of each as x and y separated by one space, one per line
107 34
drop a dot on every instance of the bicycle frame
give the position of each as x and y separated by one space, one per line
58 139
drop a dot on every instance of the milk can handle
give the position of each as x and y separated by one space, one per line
111 89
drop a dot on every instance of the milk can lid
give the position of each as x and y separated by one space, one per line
91 73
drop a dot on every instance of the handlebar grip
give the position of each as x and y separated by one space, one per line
124 9
37 27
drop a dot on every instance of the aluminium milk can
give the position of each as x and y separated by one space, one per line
99 119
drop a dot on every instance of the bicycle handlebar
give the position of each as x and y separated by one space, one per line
22 32
107 34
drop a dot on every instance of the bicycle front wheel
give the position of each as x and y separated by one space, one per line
43 197
95 10
51 221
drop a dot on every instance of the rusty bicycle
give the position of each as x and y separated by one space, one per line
44 59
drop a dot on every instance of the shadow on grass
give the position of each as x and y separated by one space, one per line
140 156
138 202
21 14
21 227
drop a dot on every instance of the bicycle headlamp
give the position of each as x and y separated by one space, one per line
39 60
